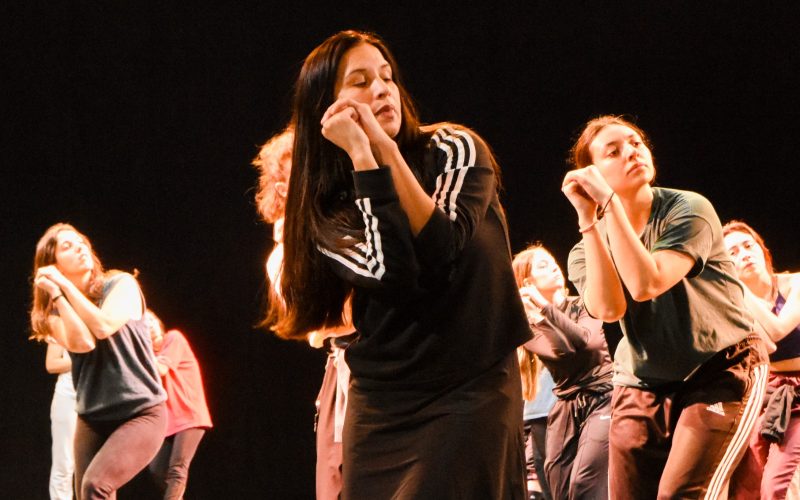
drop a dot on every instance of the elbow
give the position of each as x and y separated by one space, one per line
80 347
609 314
104 331
52 370
644 293
610 317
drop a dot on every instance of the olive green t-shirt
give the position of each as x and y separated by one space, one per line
667 338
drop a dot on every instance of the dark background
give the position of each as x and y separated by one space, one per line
137 124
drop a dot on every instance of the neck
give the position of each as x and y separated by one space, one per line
81 281
555 297
761 286
637 207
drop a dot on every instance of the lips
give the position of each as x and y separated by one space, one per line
636 167
385 109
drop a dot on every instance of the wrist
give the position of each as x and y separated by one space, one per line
587 226
603 204
383 150
362 158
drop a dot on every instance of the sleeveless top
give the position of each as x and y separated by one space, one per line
118 378
789 346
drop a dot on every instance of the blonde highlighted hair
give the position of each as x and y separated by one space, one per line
274 162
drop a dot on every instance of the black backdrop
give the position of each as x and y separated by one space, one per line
137 123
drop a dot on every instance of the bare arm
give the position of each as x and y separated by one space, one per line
645 275
66 328
122 304
54 361
602 292
777 326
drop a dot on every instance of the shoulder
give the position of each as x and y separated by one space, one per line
455 139
576 254
681 202
788 283
114 278
174 337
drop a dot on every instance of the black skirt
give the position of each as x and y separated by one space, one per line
461 442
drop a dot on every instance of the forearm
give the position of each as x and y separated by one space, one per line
603 295
564 329
55 363
100 325
69 330
415 202
775 327
635 264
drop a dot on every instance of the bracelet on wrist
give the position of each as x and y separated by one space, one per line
602 211
588 228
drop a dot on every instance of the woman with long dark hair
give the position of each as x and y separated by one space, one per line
405 221
98 317
689 371
774 300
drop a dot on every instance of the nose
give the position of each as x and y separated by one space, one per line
379 87
630 151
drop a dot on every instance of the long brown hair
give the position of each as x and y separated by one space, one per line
319 208
529 364
42 305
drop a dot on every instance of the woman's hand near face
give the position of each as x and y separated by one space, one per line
532 311
379 140
52 274
341 126
583 203
593 183
46 284
533 293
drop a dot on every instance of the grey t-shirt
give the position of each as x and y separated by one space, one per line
118 378
667 338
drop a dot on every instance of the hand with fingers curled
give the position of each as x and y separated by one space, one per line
52 273
533 301
340 125
587 191
47 285
352 126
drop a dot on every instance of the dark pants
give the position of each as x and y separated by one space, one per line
535 452
109 454
170 468
577 447
684 441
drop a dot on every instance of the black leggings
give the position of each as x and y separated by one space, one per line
109 454
170 468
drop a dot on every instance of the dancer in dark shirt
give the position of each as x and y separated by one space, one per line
572 347
406 221
99 318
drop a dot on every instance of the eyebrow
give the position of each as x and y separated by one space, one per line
629 136
364 70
